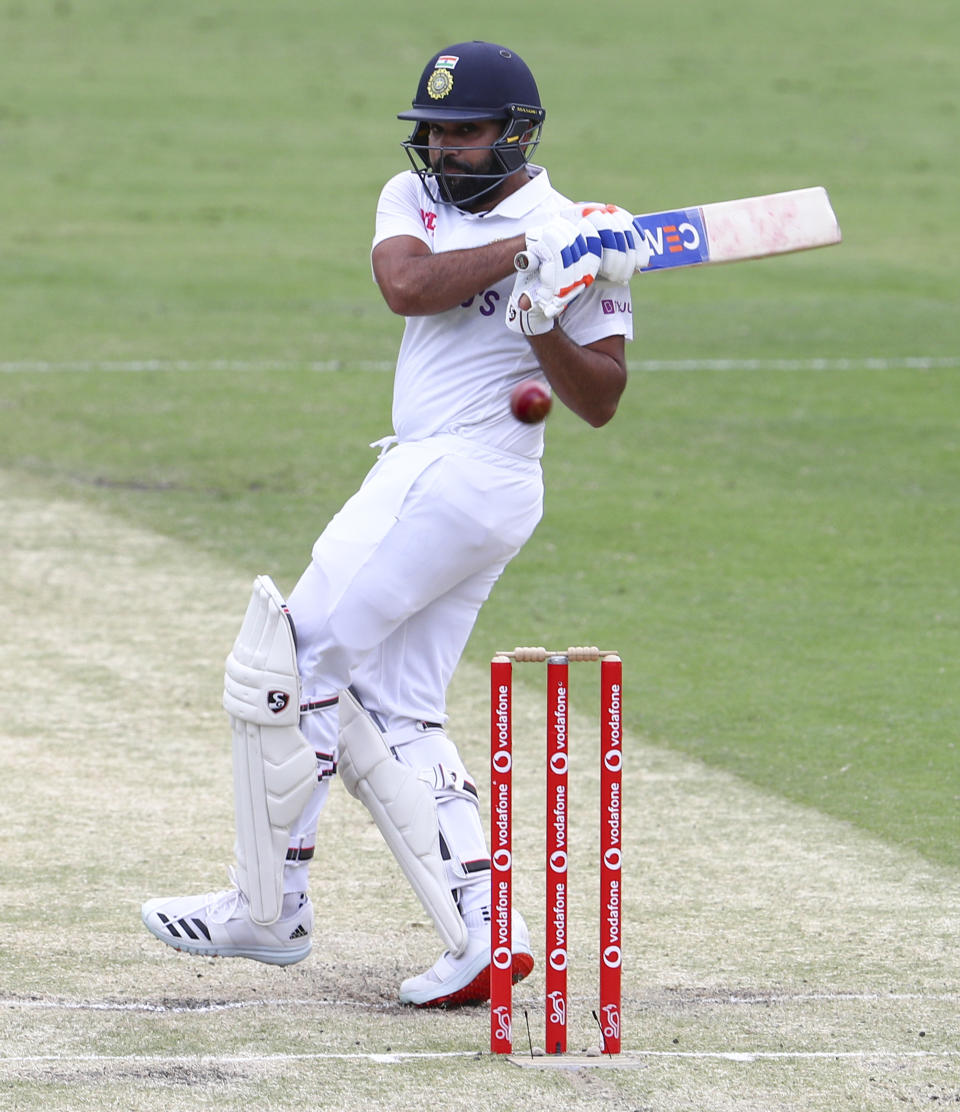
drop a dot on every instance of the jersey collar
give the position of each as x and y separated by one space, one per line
525 199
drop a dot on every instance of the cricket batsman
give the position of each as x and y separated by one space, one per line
347 677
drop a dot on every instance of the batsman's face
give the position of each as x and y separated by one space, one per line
461 151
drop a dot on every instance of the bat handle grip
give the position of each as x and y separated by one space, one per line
523 260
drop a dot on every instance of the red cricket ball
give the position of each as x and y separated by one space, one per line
530 401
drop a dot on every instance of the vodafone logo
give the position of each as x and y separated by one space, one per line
502 860
502 957
613 858
558 861
558 959
613 760
613 957
502 761
559 764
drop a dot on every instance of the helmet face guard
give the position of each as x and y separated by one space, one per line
473 82
511 151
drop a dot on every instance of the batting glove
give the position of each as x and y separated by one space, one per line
567 256
624 249
531 321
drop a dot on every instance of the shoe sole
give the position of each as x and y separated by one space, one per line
267 956
478 990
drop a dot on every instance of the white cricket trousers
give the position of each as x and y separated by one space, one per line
396 582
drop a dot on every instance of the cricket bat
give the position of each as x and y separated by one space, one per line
728 231
750 228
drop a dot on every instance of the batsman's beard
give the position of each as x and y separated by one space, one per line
461 184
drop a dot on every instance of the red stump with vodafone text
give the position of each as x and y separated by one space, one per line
501 856
611 850
557 845
557 855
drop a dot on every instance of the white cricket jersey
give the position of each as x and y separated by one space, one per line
455 370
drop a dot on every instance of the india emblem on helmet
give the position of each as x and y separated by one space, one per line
439 83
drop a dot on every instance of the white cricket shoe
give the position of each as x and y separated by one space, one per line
218 924
452 981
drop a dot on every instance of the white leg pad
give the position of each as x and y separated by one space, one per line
274 768
404 809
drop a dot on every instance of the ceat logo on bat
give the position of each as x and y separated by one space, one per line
675 238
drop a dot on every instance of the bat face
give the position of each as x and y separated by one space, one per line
749 228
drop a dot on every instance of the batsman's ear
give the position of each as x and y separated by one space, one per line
530 136
419 141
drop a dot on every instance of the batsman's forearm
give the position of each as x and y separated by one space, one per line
425 284
588 380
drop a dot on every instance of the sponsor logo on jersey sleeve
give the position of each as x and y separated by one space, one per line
613 306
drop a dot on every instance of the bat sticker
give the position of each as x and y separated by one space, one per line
675 238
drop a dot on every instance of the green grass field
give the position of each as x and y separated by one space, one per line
193 360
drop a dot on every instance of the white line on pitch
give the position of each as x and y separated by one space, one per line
237 1005
820 997
907 362
181 1009
143 366
793 1055
398 1058
93 1005
265 366
387 1058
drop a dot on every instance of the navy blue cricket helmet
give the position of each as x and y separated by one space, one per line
476 81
